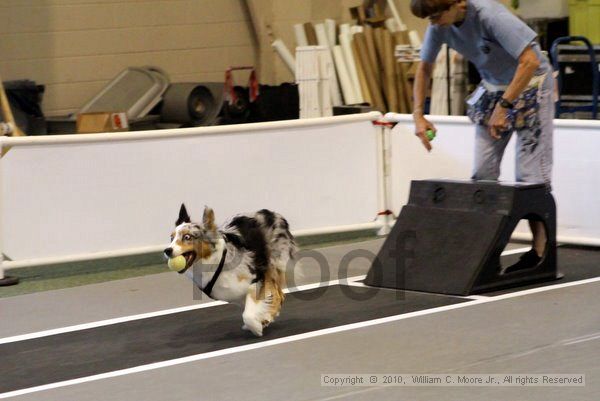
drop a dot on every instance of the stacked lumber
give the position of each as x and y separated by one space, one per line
371 61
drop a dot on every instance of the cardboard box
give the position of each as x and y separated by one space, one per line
101 122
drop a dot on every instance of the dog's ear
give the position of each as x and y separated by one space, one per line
183 216
208 219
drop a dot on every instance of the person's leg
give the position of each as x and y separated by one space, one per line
540 238
534 157
488 154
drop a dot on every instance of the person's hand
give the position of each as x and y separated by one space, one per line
498 122
422 125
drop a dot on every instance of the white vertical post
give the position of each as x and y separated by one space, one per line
387 166
380 168
1 209
4 280
383 177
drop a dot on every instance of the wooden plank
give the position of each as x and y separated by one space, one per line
374 89
362 79
389 70
373 59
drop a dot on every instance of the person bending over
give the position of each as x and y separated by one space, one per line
515 94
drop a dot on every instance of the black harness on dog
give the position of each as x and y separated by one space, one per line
209 287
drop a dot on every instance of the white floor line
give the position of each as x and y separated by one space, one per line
124 319
589 337
515 251
358 284
475 297
284 340
472 297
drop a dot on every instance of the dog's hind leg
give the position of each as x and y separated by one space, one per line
254 310
274 284
263 302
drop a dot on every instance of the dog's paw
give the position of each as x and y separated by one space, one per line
253 326
247 328
258 332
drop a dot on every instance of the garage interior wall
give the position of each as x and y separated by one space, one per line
75 47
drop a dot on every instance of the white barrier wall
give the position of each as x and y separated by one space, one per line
71 195
76 197
576 173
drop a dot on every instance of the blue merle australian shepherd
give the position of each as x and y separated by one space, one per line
242 262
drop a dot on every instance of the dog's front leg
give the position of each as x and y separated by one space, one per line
253 311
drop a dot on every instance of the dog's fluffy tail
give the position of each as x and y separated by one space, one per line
281 242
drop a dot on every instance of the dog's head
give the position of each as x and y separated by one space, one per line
193 241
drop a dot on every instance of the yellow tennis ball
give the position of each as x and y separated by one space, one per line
177 263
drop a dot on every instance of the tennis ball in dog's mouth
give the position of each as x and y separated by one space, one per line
177 263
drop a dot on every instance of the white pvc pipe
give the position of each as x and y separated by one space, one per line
345 29
583 124
285 55
396 15
337 229
278 126
415 40
17 264
345 80
387 167
391 25
381 198
562 239
330 29
322 39
346 43
408 118
461 120
300 34
384 154
1 214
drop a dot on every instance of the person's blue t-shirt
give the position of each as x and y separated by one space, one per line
490 37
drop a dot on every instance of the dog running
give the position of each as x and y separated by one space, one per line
243 262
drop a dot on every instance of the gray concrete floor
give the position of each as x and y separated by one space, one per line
534 333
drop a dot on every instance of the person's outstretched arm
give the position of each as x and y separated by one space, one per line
422 78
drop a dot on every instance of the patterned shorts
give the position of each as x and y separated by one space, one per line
532 120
